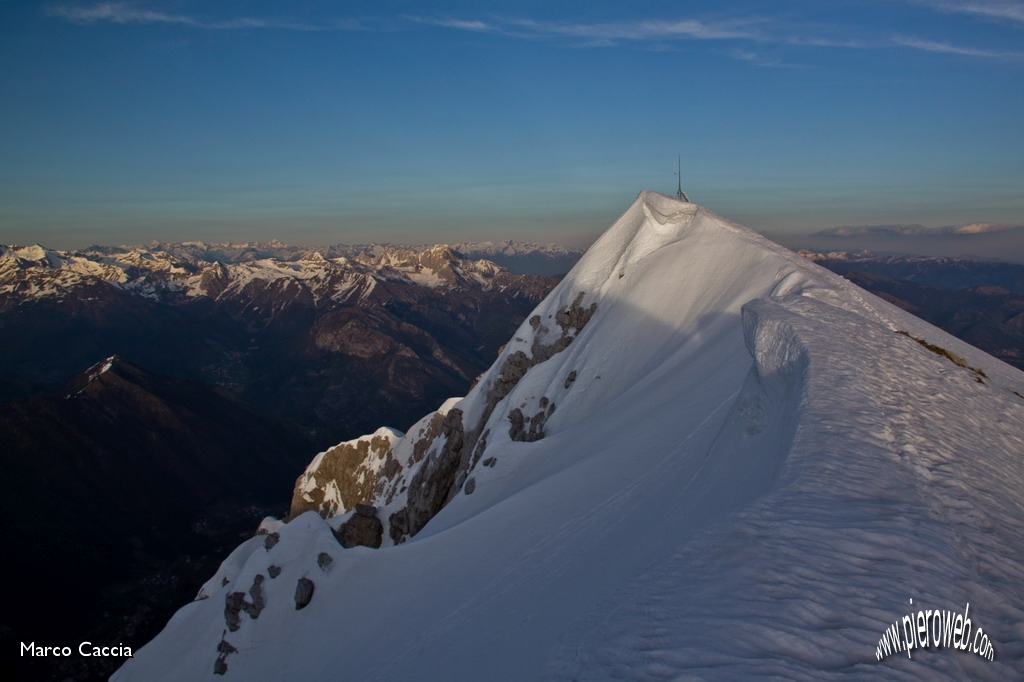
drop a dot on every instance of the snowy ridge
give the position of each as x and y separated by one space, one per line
702 455
92 374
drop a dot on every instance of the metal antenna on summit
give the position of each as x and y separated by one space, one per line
680 194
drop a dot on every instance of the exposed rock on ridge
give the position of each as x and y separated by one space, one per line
363 529
414 476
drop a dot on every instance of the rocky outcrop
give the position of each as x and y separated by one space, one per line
362 529
235 603
348 474
303 593
259 601
437 479
527 429
571 320
224 648
446 471
233 610
423 471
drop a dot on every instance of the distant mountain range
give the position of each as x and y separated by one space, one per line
981 302
289 328
524 257
947 273
528 258
329 341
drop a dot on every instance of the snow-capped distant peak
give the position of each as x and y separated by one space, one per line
92 374
191 270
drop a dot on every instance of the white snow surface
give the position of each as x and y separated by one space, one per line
751 475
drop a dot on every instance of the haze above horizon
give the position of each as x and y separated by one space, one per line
126 122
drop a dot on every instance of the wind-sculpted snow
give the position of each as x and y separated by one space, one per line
747 471
902 482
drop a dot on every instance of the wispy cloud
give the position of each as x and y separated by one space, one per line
117 13
760 59
124 13
915 230
642 30
949 48
747 35
1012 10
606 33
460 24
985 228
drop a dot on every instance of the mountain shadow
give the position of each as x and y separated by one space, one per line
121 494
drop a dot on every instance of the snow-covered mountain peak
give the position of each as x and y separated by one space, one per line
22 257
189 271
699 449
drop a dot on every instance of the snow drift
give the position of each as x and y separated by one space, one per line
702 455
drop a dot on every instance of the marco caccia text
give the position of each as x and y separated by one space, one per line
84 649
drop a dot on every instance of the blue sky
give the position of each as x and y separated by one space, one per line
317 122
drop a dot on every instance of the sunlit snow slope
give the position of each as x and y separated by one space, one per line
748 471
